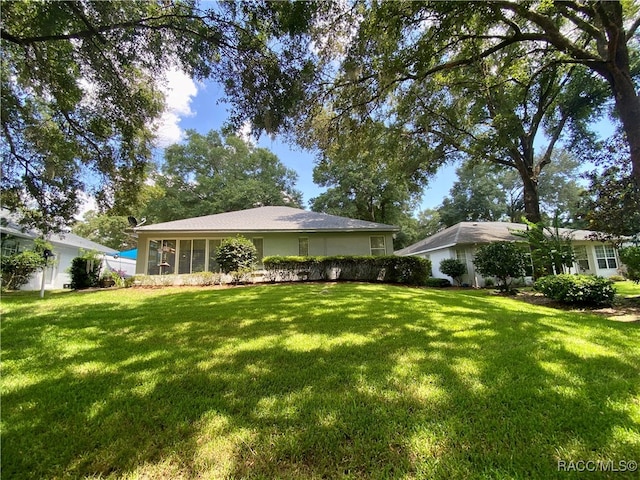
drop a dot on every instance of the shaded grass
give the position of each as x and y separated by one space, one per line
312 381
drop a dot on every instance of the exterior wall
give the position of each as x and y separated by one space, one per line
475 279
282 244
436 257
56 276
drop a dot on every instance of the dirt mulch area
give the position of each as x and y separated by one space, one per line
623 310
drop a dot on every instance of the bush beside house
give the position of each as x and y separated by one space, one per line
630 256
584 290
454 268
503 260
388 269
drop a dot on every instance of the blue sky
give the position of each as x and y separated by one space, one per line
198 106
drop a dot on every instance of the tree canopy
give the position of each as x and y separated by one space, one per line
418 53
485 192
80 90
209 174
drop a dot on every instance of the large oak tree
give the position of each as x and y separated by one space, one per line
80 89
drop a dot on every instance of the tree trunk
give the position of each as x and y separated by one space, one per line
628 107
616 69
531 199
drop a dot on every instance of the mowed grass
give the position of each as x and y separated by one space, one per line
312 381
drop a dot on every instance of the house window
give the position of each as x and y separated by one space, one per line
192 256
461 256
161 258
303 246
259 244
606 256
377 245
213 248
582 259
10 246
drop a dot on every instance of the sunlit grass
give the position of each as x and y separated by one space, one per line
311 381
627 288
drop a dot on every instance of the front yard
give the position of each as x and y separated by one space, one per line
314 381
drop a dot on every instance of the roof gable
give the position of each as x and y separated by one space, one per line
465 233
268 219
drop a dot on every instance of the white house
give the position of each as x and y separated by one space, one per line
462 240
66 246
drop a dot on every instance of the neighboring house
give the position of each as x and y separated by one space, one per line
66 246
189 245
461 241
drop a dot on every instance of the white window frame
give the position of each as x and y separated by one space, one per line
582 258
382 250
606 253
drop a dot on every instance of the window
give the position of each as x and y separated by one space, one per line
198 256
303 246
213 247
192 256
10 245
184 265
606 256
161 258
259 244
582 259
377 245
461 256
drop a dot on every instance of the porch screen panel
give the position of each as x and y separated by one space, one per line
168 260
213 263
153 258
185 257
198 256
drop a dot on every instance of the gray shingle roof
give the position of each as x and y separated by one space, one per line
478 232
268 219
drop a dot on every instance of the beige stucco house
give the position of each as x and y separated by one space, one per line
189 245
462 240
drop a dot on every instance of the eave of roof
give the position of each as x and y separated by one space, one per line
267 220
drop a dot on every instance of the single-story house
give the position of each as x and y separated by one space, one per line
66 246
461 241
189 245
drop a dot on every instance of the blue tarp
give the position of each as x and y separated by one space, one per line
132 254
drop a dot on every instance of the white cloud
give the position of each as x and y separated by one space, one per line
87 204
245 133
179 91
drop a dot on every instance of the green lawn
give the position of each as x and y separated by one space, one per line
313 381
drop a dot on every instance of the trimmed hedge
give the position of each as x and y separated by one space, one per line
577 289
435 282
386 269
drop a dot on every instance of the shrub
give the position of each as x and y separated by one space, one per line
437 282
18 269
236 254
503 260
630 256
84 271
585 290
389 269
454 268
